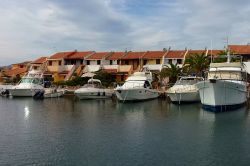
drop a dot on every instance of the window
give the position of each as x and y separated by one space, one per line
179 61
111 62
98 62
88 62
158 61
118 62
170 61
144 62
126 62
50 63
60 63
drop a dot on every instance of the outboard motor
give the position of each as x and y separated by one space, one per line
39 94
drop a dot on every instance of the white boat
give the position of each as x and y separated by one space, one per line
29 85
93 90
137 87
185 90
53 93
225 87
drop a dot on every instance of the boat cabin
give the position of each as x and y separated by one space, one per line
226 71
189 80
93 83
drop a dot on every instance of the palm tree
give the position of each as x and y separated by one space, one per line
196 63
172 71
222 57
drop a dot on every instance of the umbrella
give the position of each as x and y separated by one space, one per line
88 75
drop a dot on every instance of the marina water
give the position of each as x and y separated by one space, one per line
65 131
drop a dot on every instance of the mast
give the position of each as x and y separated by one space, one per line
228 53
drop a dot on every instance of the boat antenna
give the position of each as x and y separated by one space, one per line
228 53
211 51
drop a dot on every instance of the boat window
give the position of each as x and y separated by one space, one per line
146 84
36 81
224 75
26 80
133 84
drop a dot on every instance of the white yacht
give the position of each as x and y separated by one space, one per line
29 85
224 88
185 90
137 87
93 90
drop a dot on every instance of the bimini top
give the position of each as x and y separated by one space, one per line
93 80
235 66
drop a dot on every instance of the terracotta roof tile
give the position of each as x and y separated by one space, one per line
111 70
239 49
115 56
98 56
154 54
133 55
61 55
175 54
191 52
14 72
215 53
39 60
80 55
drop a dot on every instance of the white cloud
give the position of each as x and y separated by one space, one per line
41 27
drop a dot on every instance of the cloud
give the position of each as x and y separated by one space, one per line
34 28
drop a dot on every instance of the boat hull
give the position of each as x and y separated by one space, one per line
53 94
93 93
23 92
222 95
184 97
136 94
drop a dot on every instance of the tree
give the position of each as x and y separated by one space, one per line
196 63
222 57
172 71
106 78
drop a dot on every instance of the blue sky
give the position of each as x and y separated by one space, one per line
33 28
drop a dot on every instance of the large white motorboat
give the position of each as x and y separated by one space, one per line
225 87
29 85
137 87
93 90
185 90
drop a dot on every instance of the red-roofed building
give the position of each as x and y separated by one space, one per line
38 63
242 50
154 57
192 52
98 58
63 65
175 56
115 57
215 53
134 59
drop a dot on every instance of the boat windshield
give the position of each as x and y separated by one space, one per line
92 85
188 81
31 80
134 84
232 75
88 86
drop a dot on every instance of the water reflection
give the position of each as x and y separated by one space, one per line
105 132
26 112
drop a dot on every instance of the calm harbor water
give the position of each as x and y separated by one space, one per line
103 132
